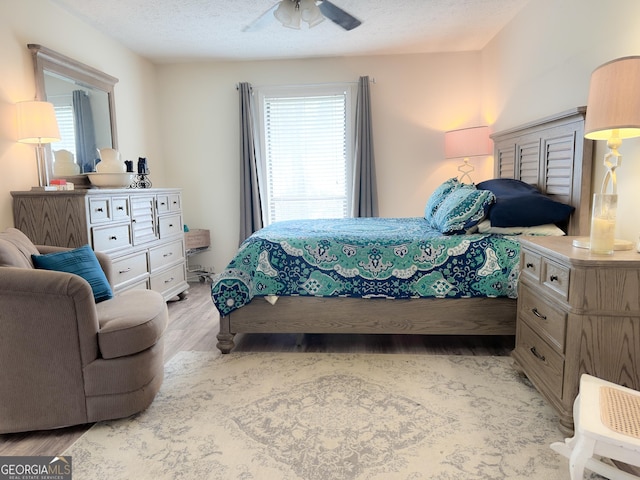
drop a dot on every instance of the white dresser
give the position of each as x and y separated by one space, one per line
141 230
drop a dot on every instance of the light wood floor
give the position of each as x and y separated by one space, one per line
193 324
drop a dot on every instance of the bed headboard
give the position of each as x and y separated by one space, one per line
553 155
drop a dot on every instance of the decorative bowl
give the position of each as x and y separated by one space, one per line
111 180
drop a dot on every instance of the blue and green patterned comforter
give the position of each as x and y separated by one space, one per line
367 258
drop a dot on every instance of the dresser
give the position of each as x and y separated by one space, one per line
577 313
140 230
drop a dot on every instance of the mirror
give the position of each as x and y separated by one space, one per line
85 109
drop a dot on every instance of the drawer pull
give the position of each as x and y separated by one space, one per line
99 209
535 311
169 280
171 225
536 354
120 208
126 270
113 237
553 278
529 265
167 254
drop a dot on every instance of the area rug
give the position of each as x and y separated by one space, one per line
330 416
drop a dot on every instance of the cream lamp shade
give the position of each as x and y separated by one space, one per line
37 122
467 142
613 106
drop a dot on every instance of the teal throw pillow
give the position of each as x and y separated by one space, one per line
462 210
82 262
438 196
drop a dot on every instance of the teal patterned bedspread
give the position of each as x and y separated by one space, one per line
367 258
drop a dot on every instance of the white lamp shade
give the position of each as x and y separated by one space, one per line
467 142
613 107
37 122
288 14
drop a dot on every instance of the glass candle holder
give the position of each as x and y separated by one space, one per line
603 223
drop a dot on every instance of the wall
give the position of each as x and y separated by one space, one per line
42 22
541 63
415 99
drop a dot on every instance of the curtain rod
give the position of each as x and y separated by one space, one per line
371 80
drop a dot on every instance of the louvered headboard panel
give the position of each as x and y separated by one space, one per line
553 155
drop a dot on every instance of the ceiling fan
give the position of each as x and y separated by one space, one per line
292 12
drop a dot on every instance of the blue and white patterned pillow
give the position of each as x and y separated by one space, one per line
462 210
438 196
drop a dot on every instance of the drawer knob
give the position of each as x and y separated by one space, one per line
553 278
529 265
536 354
167 254
120 208
113 237
535 311
126 270
99 209
169 280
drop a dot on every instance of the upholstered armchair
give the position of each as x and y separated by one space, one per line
66 359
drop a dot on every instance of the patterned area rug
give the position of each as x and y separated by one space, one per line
330 416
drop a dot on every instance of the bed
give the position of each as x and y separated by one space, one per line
436 274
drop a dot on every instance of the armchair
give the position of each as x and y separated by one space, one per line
65 359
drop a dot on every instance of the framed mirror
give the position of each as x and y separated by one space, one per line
83 99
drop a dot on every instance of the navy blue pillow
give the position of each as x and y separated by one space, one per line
82 262
519 204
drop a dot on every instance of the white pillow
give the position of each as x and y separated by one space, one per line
542 230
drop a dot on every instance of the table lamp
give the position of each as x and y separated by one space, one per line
465 143
613 114
37 125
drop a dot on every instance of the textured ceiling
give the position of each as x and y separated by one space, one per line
182 30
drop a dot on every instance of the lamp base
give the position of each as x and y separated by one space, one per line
618 244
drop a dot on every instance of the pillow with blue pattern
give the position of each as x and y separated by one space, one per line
438 196
462 210
82 262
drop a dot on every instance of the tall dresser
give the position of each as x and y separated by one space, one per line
141 230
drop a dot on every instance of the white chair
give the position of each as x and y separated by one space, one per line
607 425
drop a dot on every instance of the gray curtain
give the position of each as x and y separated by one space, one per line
365 192
250 211
86 148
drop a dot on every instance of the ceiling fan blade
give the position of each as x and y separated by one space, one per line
262 21
338 16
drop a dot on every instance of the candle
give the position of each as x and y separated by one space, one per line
603 223
602 235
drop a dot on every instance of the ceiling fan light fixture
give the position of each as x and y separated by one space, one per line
288 14
310 12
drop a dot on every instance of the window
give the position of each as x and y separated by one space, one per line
306 152
64 116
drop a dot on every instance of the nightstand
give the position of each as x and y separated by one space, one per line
577 313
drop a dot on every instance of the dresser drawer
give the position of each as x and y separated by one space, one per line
174 202
99 210
165 255
555 278
120 208
541 362
170 225
550 322
164 281
531 266
111 237
126 269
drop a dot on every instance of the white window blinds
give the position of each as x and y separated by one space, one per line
306 154
64 116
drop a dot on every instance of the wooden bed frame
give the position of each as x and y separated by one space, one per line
551 153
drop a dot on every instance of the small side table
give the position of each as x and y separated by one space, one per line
577 313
